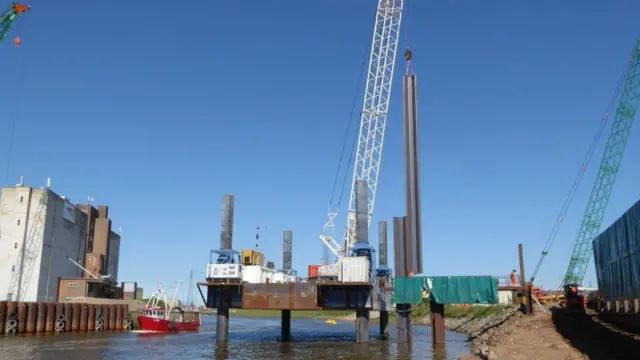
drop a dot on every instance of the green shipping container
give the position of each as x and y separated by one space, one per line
447 289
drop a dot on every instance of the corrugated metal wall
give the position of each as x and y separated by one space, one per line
617 257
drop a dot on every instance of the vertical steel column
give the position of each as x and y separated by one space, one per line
222 326
382 243
383 261
403 311
362 238
287 259
286 325
362 212
412 174
523 279
226 233
384 322
399 247
437 323
362 324
287 249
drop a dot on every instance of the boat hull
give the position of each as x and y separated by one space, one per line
152 324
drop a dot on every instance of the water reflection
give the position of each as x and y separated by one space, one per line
248 339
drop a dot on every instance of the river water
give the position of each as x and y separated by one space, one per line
249 338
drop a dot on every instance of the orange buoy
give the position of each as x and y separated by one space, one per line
17 41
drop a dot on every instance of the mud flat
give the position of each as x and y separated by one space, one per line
556 334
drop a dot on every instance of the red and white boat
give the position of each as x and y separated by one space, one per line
162 316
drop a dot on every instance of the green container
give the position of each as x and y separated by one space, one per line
447 289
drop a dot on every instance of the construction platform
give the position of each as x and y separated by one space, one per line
289 296
293 296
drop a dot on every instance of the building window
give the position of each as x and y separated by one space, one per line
15 246
13 268
18 222
21 199
72 285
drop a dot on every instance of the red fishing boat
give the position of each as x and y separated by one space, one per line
162 316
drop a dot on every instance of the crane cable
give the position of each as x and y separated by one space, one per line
580 175
346 135
14 114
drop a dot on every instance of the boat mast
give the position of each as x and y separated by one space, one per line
173 301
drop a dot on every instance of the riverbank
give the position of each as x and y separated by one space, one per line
465 320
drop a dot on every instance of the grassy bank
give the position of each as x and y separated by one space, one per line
456 312
302 314
418 312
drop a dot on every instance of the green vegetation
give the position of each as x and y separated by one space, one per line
419 311
423 309
302 314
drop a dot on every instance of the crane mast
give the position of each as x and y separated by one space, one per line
609 166
373 120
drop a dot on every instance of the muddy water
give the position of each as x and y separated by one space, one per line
248 339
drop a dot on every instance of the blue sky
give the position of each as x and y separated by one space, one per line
158 109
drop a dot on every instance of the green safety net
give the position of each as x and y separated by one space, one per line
447 289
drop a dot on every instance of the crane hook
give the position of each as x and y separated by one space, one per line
407 54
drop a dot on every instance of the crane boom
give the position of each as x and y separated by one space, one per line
609 166
9 17
373 118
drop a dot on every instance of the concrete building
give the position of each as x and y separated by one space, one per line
38 231
113 256
103 245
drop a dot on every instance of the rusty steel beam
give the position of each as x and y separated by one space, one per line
382 243
523 279
75 321
400 266
32 310
22 317
41 318
51 317
437 323
67 317
3 317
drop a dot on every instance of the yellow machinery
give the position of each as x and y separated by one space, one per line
252 257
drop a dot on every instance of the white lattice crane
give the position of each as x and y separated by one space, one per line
373 119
